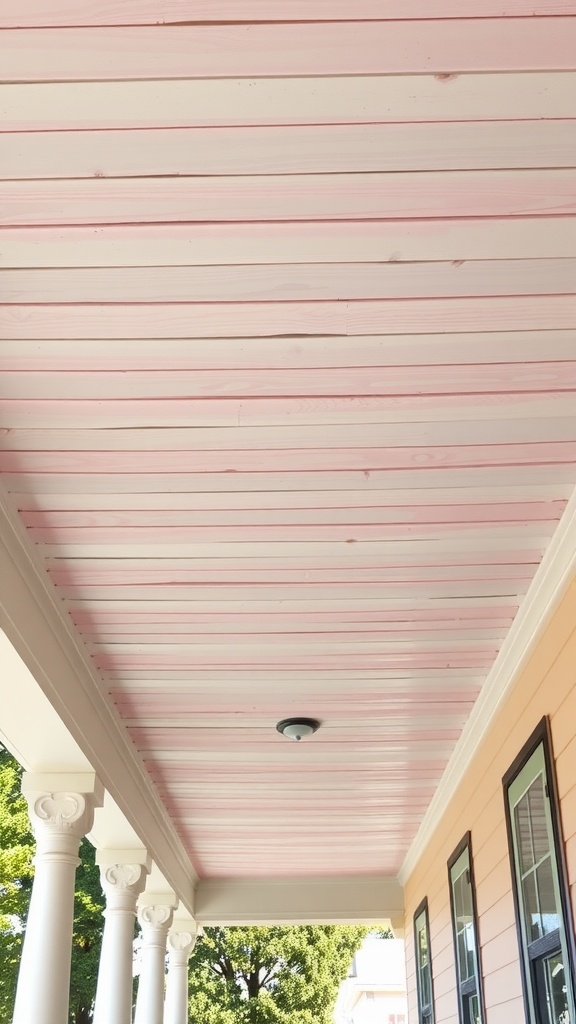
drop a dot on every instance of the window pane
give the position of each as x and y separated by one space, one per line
556 994
424 964
524 834
547 897
536 800
464 924
469 939
531 907
462 957
473 1011
423 969
425 986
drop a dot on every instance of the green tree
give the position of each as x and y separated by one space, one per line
281 975
88 923
16 874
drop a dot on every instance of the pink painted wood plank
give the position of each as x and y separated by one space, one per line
499 551
470 590
291 282
452 617
416 771
297 635
347 100
263 743
497 378
489 478
348 532
210 682
291 352
343 575
212 518
197 739
529 313
55 533
298 501
64 13
369 863
206 51
437 434
308 242
353 708
419 458
204 811
297 197
176 652
175 412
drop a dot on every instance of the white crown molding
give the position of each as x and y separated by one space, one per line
549 585
37 625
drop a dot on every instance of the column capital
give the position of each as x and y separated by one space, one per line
123 876
61 806
156 910
182 938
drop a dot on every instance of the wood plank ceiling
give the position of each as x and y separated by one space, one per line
288 382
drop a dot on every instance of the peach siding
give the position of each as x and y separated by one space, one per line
546 687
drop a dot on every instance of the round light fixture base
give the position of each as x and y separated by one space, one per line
297 728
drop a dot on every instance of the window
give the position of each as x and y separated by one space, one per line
423 965
545 931
463 904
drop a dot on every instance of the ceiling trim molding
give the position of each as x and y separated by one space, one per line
548 586
336 900
37 625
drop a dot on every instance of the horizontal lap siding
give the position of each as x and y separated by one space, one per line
546 686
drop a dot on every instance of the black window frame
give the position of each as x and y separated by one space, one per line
466 989
532 954
426 1012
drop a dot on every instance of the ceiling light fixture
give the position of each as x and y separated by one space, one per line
297 728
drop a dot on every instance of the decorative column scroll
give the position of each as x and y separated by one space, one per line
61 809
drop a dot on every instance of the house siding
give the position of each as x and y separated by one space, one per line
546 686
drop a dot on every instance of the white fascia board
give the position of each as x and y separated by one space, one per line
299 901
549 585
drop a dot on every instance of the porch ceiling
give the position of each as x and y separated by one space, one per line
288 384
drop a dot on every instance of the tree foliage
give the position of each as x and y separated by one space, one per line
280 975
16 873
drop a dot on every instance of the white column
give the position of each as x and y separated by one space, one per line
181 942
123 875
155 911
61 810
